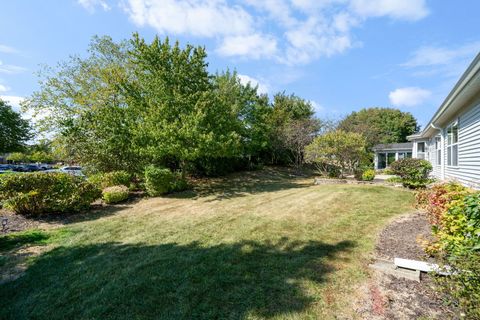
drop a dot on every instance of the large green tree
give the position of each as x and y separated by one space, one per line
380 125
135 103
14 131
292 126
338 149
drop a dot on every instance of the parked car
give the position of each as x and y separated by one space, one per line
6 167
74 170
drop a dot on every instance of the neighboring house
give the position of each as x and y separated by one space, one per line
385 154
451 140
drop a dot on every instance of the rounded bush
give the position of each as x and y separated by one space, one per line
110 179
158 181
115 194
368 175
413 172
46 192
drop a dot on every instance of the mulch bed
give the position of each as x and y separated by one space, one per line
388 297
401 238
16 222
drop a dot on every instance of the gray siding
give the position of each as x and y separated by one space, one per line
468 170
432 157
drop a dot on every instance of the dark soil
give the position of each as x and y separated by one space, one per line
402 238
16 222
400 298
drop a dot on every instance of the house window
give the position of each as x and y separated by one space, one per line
421 150
452 145
390 158
438 150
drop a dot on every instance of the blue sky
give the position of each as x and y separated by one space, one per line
342 55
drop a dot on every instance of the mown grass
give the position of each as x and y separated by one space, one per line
262 245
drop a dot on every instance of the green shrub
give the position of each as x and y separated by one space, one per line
179 183
462 287
115 194
368 175
46 192
158 181
454 212
394 180
414 172
110 179
436 199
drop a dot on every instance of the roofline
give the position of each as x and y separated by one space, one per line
471 71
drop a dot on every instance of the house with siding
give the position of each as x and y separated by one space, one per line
451 140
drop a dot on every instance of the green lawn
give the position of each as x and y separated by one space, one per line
260 245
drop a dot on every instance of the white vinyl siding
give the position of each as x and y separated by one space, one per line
468 169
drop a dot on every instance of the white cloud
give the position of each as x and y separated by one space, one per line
317 107
10 69
7 49
432 55
91 5
4 88
288 31
251 46
244 79
14 101
204 18
408 96
397 9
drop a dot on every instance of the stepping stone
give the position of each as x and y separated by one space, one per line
389 267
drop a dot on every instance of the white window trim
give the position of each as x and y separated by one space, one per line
450 146
438 150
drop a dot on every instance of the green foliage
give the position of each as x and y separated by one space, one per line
339 149
394 180
180 183
436 199
15 131
115 194
158 181
414 172
462 287
117 109
18 157
460 225
368 175
380 125
454 212
40 192
110 179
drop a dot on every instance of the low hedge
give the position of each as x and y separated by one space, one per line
413 172
115 194
160 181
46 192
110 179
368 175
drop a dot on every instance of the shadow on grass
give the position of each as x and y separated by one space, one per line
33 237
245 183
170 281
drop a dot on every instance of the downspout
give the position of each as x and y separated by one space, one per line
442 150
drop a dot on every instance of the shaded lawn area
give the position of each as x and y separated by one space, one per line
261 245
